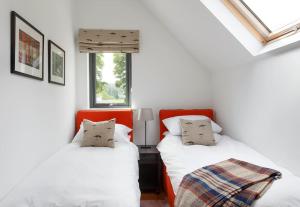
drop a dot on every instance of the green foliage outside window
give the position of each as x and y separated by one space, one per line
100 85
120 70
107 92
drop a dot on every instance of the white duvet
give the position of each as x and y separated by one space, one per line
82 177
181 160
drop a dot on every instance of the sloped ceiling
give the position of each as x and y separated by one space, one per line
199 32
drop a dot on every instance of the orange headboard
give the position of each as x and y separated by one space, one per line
167 113
122 117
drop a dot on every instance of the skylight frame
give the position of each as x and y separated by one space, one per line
256 25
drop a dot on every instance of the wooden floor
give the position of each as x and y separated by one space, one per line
153 200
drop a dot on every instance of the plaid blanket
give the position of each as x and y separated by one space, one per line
230 183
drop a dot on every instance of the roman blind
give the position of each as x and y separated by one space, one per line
100 40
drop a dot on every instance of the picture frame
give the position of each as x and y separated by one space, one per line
27 48
56 64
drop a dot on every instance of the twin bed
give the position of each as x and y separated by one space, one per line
94 177
84 176
180 160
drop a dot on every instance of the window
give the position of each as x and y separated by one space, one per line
270 19
110 80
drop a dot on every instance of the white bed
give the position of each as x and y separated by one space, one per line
82 177
181 160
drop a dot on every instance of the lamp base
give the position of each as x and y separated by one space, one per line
145 147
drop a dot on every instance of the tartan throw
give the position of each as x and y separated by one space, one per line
230 183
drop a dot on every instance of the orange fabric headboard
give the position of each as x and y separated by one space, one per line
167 113
122 117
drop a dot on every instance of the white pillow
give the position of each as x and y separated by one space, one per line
173 123
121 134
217 137
79 135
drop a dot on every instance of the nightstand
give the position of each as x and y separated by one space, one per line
150 169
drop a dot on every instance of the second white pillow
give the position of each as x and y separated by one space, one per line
173 123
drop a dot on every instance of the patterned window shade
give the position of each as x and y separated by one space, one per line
93 41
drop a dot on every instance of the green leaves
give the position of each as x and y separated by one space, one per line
100 85
120 70
112 92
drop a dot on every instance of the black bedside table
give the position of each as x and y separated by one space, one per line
150 169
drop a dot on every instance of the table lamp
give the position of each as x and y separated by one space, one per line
145 114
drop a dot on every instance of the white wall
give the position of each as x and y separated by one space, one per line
36 118
259 103
164 75
199 31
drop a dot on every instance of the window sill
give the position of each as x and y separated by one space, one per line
279 43
111 108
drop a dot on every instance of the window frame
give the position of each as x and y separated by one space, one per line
92 84
256 26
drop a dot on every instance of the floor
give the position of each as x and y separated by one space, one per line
153 200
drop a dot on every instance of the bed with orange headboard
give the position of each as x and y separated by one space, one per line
98 176
123 116
280 194
167 113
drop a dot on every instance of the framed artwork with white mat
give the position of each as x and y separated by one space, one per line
27 48
56 64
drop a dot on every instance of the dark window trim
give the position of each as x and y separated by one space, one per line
92 66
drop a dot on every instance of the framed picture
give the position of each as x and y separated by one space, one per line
56 64
27 48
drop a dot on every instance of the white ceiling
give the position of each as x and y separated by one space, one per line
199 32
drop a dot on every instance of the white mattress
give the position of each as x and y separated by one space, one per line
181 160
82 177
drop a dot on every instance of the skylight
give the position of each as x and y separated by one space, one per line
275 14
271 19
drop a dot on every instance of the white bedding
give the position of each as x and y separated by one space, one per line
181 160
82 177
